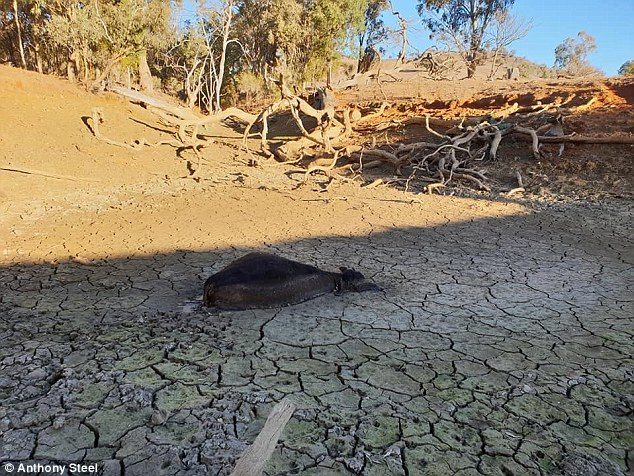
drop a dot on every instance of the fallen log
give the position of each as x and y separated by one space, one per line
578 139
447 124
141 98
462 143
255 457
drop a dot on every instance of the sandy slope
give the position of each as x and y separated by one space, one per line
116 201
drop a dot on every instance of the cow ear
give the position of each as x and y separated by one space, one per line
343 269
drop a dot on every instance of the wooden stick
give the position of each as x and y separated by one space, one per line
505 112
47 175
447 124
495 143
404 148
97 118
382 155
520 181
141 98
481 185
515 190
535 139
255 457
573 138
379 112
433 132
433 186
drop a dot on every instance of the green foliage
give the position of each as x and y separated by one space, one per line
92 35
574 50
249 84
373 30
300 37
571 56
627 69
70 27
270 28
333 23
244 87
462 24
91 39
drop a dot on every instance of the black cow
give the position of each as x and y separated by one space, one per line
264 280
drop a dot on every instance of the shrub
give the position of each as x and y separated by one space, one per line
627 69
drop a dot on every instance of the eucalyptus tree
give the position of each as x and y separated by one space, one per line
462 25
571 55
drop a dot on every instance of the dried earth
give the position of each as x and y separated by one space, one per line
501 345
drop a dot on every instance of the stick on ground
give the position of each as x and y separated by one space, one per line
255 457
47 175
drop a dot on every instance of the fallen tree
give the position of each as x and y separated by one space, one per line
327 132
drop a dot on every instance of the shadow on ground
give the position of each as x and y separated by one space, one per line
499 346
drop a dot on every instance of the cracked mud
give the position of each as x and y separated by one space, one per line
499 346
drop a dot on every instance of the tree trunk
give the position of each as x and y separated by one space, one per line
223 55
71 67
361 52
70 71
472 62
494 65
76 57
474 43
402 23
192 90
471 69
85 66
38 58
402 55
145 76
99 83
19 30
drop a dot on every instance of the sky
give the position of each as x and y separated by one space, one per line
610 22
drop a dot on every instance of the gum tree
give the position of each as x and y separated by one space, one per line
571 56
462 25
627 68
372 30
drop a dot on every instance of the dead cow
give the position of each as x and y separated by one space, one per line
264 280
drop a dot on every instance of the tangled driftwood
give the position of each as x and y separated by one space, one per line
453 156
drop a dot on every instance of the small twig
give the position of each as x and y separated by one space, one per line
515 190
47 175
375 183
433 186
495 143
520 182
430 130
481 185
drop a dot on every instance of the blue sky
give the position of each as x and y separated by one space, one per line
611 22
